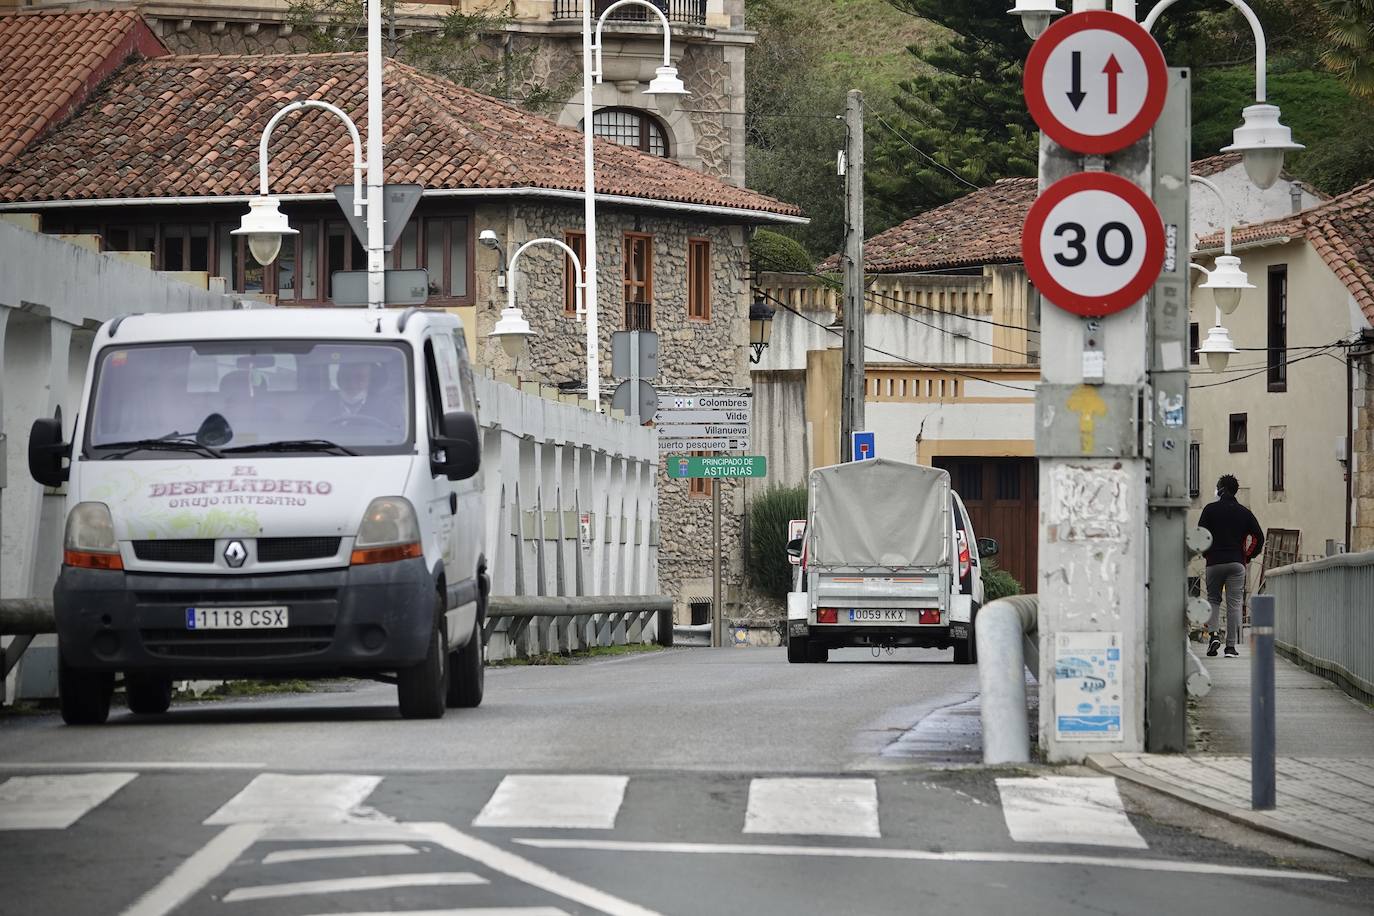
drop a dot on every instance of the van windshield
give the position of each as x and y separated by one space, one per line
280 396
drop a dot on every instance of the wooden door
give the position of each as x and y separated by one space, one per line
1002 497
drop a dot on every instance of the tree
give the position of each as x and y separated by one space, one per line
1350 44
462 47
962 120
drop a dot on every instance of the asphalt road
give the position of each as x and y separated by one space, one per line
683 782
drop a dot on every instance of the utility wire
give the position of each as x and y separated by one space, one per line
929 158
1263 369
883 305
896 356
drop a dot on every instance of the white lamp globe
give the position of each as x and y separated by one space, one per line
265 225
1227 281
512 331
1262 141
1035 15
1218 348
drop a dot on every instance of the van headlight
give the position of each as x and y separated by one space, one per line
90 538
388 532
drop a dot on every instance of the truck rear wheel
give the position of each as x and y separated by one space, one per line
422 689
84 696
798 649
147 694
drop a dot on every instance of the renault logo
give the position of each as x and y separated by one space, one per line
235 554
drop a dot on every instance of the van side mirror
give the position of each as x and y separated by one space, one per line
46 451
794 548
461 445
988 547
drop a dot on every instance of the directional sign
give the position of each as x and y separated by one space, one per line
403 287
1093 243
1095 82
688 430
720 444
717 466
708 402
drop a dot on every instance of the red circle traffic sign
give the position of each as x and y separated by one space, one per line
1095 82
1093 243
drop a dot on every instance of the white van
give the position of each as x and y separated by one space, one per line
271 493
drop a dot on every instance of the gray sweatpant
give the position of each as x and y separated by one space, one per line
1231 575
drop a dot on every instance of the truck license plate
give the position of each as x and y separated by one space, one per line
885 615
236 618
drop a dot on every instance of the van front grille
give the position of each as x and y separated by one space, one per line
237 644
194 550
281 550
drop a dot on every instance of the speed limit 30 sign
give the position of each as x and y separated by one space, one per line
1093 243
1095 82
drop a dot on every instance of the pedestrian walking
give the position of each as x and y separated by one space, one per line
1236 538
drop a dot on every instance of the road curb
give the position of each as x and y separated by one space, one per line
1107 764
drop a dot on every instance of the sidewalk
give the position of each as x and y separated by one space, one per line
1325 758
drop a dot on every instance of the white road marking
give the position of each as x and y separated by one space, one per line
339 852
919 855
197 871
527 872
1067 809
813 807
278 798
363 883
54 802
141 766
466 911
554 801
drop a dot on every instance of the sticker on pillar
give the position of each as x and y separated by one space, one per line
584 527
1087 686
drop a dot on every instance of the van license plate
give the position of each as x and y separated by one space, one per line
885 615
236 618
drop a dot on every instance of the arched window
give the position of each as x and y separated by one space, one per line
630 127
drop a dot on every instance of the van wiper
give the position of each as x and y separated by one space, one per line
293 445
175 442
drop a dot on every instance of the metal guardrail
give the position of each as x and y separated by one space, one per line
1325 618
1008 642
518 626
688 12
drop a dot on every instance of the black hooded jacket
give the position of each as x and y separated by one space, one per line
1229 523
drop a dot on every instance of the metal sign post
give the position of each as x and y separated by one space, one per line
717 603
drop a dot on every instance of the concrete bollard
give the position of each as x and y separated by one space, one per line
1001 629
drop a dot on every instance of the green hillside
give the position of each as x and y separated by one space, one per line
864 42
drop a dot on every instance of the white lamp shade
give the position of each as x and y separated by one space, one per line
1263 141
666 83
1227 281
1218 348
512 331
265 225
1035 15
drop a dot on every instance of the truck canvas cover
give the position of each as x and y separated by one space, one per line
879 512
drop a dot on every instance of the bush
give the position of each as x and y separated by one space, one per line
770 250
997 582
769 571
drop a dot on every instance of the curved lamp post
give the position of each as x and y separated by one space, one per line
1260 139
665 83
512 330
264 223
1226 280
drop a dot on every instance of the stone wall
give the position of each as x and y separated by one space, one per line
694 355
1362 532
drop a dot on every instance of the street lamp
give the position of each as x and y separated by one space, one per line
512 330
266 226
760 325
1226 280
666 82
1035 15
1218 347
1260 139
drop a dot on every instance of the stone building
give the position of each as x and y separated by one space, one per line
163 157
709 44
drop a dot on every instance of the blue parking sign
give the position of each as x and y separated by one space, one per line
863 446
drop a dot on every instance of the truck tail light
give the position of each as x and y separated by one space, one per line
827 615
965 561
930 615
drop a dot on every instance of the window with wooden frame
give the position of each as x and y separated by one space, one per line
1238 433
1276 465
699 279
577 241
1194 469
1278 327
1194 341
639 281
699 487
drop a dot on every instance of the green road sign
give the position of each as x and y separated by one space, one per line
717 466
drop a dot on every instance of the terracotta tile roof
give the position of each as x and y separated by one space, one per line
1213 165
1341 230
51 61
982 227
188 126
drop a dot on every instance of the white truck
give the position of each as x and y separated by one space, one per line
270 493
889 558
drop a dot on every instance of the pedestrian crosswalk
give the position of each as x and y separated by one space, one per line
1035 810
